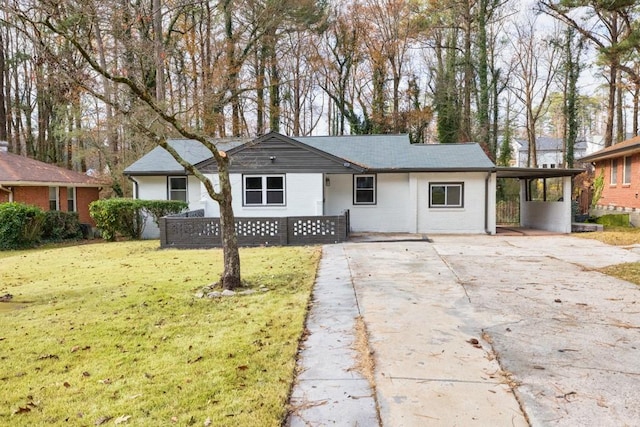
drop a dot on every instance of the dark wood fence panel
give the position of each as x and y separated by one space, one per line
192 231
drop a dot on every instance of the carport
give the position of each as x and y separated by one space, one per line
545 197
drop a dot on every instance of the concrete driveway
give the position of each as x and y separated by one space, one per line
500 331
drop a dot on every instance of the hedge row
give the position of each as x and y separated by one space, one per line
127 217
24 226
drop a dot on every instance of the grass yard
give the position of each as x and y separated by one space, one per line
619 236
111 334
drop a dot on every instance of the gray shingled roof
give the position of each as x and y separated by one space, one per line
371 152
394 152
159 161
547 143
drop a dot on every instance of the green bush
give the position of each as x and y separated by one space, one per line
614 220
20 225
61 226
127 217
160 208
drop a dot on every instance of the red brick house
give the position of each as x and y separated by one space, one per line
620 164
47 186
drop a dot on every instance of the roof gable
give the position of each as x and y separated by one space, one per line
276 153
21 170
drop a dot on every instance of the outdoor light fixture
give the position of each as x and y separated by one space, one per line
327 182
272 158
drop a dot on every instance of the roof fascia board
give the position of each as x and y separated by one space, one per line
49 184
633 149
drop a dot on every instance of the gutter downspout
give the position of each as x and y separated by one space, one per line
8 190
486 203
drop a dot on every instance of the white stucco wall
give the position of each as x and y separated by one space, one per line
403 204
303 192
155 188
552 216
468 219
389 214
402 201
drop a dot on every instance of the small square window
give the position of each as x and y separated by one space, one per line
446 195
178 188
364 189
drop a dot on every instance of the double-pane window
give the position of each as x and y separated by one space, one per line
178 188
264 190
446 195
364 189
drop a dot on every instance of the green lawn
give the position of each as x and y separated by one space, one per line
619 236
111 334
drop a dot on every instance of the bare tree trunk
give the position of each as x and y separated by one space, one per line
3 103
231 257
620 133
159 50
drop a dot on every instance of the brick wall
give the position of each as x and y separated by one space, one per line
39 196
620 195
36 196
84 196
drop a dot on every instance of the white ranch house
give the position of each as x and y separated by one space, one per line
386 183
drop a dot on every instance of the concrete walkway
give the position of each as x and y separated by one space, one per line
329 389
473 330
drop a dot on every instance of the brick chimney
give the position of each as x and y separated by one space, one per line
4 146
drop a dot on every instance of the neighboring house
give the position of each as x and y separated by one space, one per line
620 165
386 183
47 186
549 152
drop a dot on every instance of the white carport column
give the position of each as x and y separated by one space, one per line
491 188
567 198
413 203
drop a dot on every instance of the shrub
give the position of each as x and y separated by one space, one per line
160 208
61 226
127 217
614 220
20 225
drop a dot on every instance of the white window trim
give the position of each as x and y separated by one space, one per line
264 190
626 175
170 189
446 185
374 189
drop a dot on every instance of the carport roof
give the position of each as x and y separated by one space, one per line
535 173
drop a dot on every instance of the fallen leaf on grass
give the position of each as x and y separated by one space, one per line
122 419
48 356
66 384
197 359
103 420
242 367
207 422
105 381
22 410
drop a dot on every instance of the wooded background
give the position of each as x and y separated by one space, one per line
441 70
